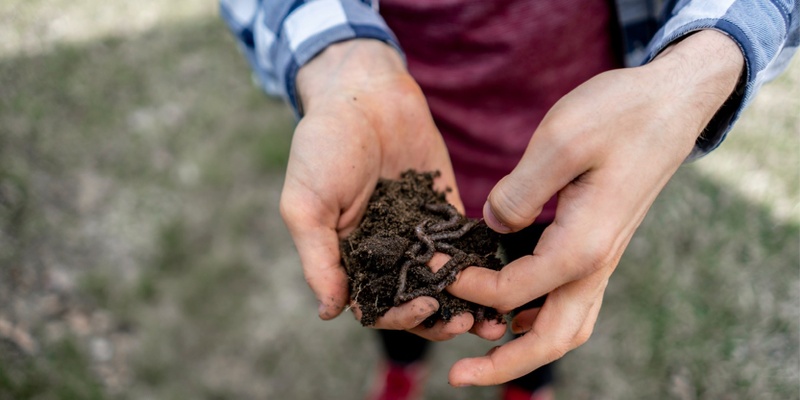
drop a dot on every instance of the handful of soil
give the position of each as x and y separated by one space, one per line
406 221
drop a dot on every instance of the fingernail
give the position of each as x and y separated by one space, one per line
321 308
492 221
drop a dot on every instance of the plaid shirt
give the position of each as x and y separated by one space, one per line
280 36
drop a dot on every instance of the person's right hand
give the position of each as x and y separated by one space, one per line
364 118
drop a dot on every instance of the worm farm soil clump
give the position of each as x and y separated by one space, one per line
406 221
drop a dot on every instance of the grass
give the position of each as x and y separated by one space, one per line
62 372
140 167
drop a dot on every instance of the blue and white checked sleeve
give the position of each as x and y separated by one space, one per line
767 31
279 36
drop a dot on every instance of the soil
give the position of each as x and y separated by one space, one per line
406 221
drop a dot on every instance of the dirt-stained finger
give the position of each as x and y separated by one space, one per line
442 331
489 329
407 315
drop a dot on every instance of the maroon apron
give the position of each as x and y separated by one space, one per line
491 69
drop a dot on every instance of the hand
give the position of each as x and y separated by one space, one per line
607 148
365 118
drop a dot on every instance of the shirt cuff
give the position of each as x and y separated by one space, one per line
315 25
760 44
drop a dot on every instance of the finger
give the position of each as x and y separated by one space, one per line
409 316
489 329
405 316
442 330
314 234
438 261
461 323
523 321
486 329
591 319
551 265
559 328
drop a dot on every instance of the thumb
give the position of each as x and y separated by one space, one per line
516 201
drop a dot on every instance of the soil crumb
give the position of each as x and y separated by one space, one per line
406 221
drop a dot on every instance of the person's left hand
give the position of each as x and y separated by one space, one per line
607 148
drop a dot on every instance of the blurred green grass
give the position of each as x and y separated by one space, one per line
140 165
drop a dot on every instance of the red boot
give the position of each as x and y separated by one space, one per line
512 392
399 381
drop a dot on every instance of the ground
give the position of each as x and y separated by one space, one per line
142 254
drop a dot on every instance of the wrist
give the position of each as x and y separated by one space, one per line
701 72
348 68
